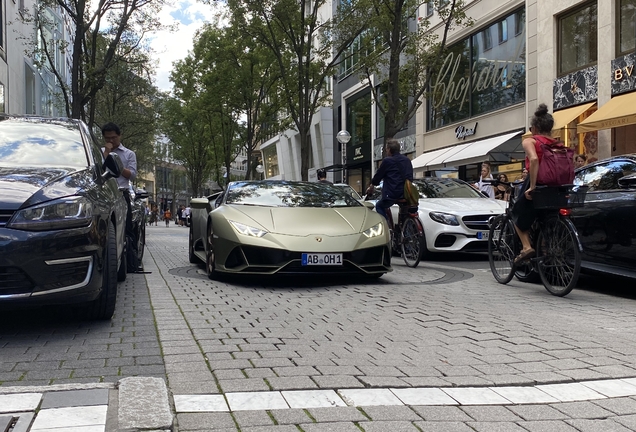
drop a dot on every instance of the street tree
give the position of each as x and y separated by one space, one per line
400 52
189 130
104 33
241 74
130 99
300 36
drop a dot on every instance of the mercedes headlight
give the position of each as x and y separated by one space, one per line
64 213
374 231
248 230
444 218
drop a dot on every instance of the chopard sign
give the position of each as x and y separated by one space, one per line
461 132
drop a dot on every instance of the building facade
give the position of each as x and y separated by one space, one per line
24 87
589 49
477 109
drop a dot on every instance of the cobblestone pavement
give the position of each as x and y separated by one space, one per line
436 326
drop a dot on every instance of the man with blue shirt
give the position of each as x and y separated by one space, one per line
393 172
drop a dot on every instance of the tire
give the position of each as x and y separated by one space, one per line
191 256
141 244
559 256
412 242
123 263
502 249
210 265
103 307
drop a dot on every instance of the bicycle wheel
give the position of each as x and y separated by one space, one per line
502 249
559 256
412 241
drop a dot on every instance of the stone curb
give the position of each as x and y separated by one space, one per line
144 404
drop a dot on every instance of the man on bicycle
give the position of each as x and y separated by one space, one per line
394 170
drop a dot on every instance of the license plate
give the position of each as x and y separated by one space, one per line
483 235
321 259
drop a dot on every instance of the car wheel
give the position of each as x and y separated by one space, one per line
103 307
209 256
141 244
191 256
123 263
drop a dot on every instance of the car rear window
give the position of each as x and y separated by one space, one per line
30 144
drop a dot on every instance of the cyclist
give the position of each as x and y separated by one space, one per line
394 170
523 212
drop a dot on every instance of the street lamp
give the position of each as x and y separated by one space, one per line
343 138
260 170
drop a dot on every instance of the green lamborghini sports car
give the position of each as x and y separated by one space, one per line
287 227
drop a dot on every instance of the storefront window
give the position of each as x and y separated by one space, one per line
359 120
2 98
499 74
270 157
578 39
627 26
477 77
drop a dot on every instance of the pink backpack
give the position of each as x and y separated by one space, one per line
557 163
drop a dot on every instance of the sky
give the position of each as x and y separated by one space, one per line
170 47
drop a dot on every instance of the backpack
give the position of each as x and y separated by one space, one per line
557 163
411 194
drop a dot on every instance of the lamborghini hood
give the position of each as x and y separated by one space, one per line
307 221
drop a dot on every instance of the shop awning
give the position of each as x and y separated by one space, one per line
619 111
477 151
424 160
564 117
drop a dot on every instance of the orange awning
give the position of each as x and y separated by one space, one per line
619 111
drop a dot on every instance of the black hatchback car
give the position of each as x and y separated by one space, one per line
62 216
606 224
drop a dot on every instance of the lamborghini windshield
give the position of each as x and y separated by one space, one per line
280 193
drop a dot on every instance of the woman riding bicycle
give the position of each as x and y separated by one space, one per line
523 212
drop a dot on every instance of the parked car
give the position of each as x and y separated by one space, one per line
62 216
453 213
287 227
606 223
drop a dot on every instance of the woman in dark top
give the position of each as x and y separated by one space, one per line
502 191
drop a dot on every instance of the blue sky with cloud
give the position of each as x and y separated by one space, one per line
169 47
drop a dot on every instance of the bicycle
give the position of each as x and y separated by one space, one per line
558 250
409 235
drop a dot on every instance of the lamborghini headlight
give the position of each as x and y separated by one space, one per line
374 231
444 218
64 213
248 230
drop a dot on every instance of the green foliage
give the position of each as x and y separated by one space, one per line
301 37
130 100
105 33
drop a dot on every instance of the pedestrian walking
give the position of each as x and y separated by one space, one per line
167 215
